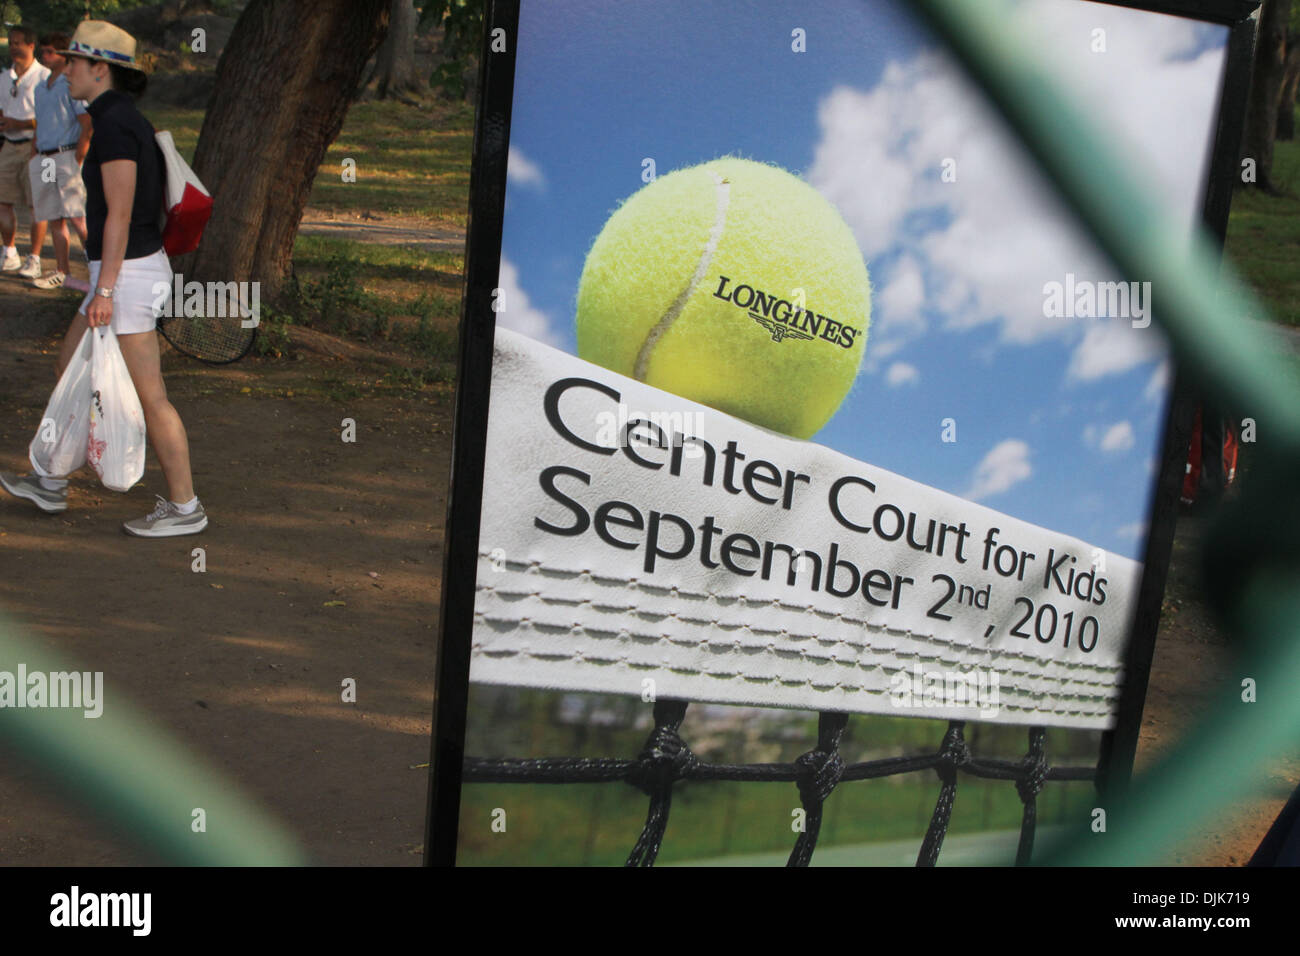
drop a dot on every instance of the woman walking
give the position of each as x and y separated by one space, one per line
123 174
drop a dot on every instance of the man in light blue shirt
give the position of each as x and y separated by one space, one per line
63 130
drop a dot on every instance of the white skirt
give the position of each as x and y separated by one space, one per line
143 288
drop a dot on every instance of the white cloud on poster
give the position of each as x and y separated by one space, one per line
1110 347
980 249
522 171
1110 438
900 373
1006 464
519 314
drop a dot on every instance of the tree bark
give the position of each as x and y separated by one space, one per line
1290 87
1266 91
283 86
395 67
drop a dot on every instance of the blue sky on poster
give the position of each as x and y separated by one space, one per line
1057 419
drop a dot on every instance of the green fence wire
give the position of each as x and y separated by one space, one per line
125 769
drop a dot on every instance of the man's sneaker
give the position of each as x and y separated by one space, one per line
30 488
51 281
12 262
31 267
166 522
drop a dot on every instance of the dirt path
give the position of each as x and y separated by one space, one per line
1195 668
385 230
244 663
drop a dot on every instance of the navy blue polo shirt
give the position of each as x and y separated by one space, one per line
121 132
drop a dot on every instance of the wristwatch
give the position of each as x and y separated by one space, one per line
106 293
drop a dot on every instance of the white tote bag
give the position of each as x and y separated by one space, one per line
187 204
59 447
116 436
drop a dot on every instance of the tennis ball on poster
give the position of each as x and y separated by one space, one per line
734 284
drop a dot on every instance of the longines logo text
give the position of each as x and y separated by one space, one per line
783 319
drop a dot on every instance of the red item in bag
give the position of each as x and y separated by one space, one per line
1192 476
187 205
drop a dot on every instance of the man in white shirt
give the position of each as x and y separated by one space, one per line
63 131
17 127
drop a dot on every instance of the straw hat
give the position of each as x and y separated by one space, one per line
100 40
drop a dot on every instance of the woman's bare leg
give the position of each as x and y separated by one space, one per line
70 342
166 431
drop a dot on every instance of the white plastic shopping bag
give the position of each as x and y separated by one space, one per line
59 447
116 439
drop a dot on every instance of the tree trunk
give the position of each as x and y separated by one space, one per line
1290 87
395 68
283 85
1266 91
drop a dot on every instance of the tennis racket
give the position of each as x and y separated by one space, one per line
211 340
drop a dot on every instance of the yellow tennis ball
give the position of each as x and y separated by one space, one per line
734 284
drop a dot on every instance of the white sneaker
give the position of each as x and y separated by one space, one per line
166 522
30 488
51 281
31 267
12 262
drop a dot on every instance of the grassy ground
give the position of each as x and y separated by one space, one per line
990 848
412 162
581 824
596 824
1264 237
372 290
409 162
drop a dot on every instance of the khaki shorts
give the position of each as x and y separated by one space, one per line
57 189
15 187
